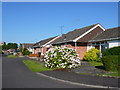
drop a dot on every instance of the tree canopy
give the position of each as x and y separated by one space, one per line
9 46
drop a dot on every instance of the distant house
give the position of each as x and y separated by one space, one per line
79 38
43 45
107 39
28 46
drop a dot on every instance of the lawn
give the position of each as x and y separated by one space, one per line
12 56
35 66
96 63
115 74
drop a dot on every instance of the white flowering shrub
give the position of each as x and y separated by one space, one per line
61 57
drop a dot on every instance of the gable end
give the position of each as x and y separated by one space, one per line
98 25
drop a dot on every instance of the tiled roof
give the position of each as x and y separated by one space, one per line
70 36
108 34
27 45
42 42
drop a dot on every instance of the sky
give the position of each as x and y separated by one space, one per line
30 22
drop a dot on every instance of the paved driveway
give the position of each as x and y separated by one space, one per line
17 75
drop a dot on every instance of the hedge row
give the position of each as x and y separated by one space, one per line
112 51
111 62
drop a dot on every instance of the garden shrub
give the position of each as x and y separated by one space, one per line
92 55
111 59
61 57
112 51
25 52
111 62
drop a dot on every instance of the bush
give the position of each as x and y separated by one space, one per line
61 57
112 51
25 52
92 55
111 62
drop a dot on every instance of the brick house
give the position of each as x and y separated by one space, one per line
79 38
43 45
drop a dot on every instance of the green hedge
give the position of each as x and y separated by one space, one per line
112 51
111 62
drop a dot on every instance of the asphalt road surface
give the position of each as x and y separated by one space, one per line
16 75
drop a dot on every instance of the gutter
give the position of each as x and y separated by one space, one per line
103 39
63 42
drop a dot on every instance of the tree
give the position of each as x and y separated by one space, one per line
4 47
10 46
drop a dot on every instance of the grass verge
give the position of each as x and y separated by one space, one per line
35 66
12 56
113 74
96 63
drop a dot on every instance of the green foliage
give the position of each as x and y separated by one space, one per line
111 62
92 55
12 45
25 51
4 47
112 51
96 63
111 59
9 46
35 66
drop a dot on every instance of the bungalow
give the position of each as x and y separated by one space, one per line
79 38
107 39
43 45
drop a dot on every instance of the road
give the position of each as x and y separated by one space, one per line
16 75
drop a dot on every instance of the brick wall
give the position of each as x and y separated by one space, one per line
81 48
